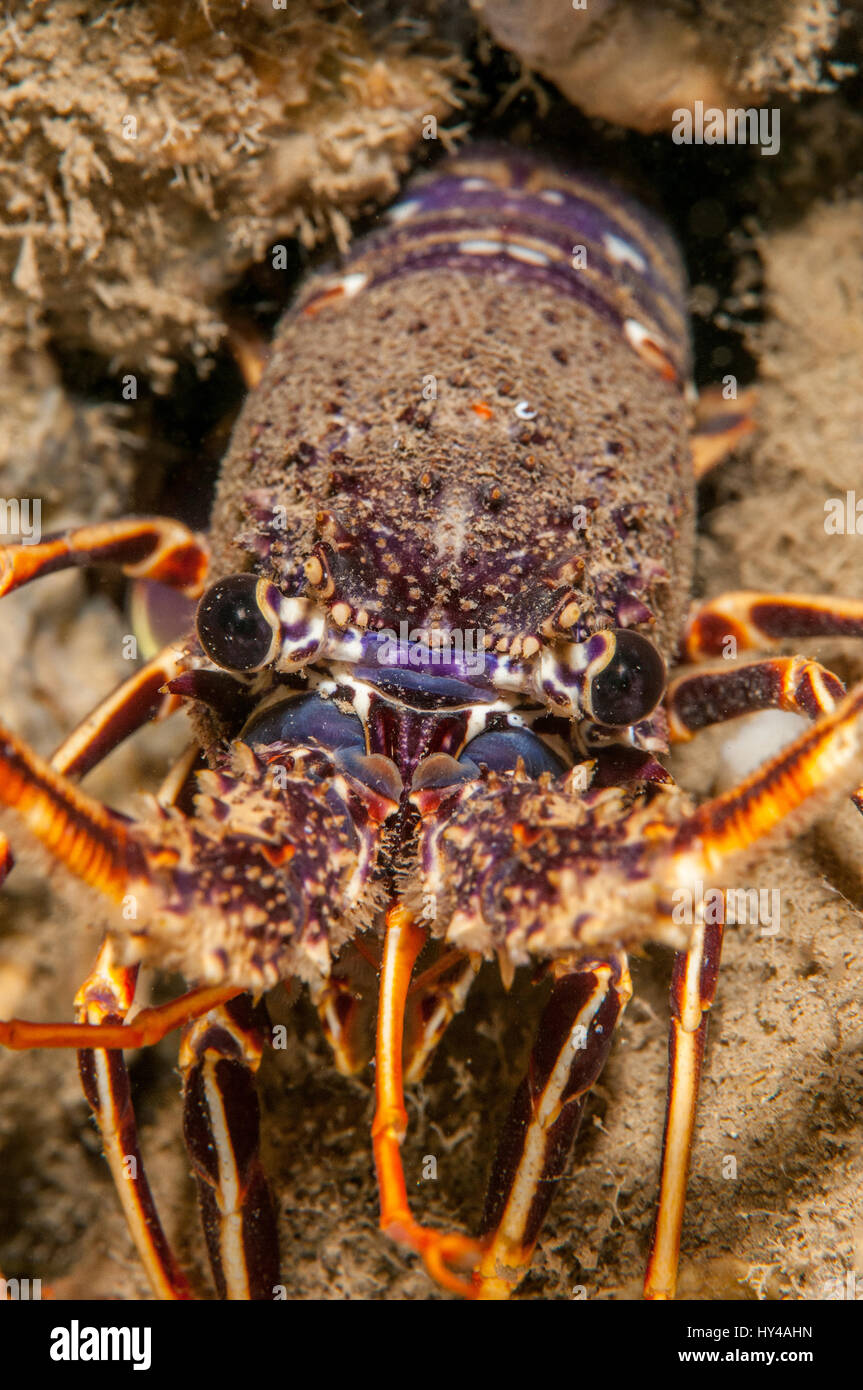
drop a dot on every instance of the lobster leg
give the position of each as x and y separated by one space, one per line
144 547
89 839
718 428
572 1045
693 986
699 699
719 832
249 349
153 548
757 621
434 999
695 701
345 1005
219 1055
403 943
108 992
94 844
148 1028
134 703
820 762
131 705
105 997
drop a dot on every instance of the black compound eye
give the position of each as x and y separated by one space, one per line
631 685
306 719
231 627
500 750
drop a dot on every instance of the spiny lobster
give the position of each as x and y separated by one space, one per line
450 559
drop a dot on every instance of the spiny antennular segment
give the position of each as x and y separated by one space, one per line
520 869
273 874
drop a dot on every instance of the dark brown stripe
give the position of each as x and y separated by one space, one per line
141 704
568 998
234 1080
703 700
803 620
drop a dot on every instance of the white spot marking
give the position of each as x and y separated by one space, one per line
481 246
496 246
527 253
353 283
650 346
551 195
637 333
622 252
400 212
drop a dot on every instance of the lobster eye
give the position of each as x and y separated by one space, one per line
500 750
232 628
306 719
630 685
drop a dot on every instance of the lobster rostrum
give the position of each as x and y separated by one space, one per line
449 563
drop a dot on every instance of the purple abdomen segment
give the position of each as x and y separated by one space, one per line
495 213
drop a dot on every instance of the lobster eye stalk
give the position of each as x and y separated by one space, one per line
629 684
236 624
